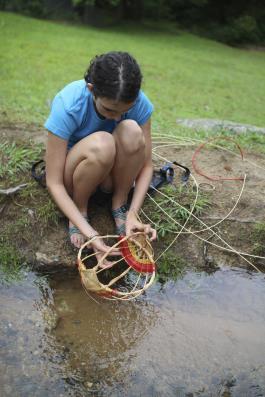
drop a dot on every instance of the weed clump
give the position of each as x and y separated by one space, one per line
171 267
258 239
12 263
17 158
25 214
171 208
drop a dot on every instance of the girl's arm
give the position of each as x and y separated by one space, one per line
56 152
145 176
142 184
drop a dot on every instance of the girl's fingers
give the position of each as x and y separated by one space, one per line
101 246
153 235
147 229
150 232
105 264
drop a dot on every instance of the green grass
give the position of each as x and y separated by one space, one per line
185 196
171 267
12 266
25 214
15 158
184 75
258 239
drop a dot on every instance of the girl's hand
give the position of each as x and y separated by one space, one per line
100 248
134 225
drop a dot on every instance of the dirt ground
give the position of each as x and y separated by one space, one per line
52 247
236 230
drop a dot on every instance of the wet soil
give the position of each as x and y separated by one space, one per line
50 247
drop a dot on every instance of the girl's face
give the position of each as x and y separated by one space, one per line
111 109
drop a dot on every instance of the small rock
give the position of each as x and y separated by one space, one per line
43 258
217 125
31 213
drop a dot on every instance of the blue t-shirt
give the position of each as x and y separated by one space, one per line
73 114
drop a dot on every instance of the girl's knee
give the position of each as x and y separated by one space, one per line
130 136
101 147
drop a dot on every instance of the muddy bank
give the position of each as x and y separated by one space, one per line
31 223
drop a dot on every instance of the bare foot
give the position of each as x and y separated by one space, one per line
76 237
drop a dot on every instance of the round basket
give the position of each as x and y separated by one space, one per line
137 273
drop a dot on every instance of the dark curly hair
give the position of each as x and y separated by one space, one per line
115 75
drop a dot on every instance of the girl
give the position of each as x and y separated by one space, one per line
99 136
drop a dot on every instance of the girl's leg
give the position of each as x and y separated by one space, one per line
129 160
87 165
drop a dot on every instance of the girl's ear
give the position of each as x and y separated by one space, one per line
90 86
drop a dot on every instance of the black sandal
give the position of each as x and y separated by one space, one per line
120 213
38 172
166 174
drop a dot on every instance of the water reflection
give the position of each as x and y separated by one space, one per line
100 336
200 336
25 346
215 327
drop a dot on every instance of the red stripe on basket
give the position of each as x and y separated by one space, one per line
132 261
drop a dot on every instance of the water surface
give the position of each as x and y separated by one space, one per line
202 335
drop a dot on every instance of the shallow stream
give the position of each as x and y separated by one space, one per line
202 335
